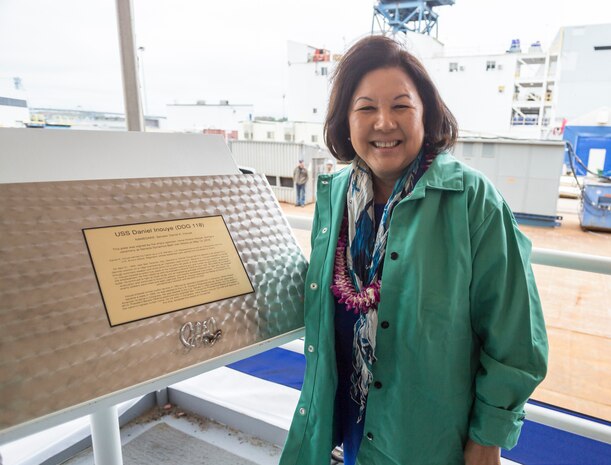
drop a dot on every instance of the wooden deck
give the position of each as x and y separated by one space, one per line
577 307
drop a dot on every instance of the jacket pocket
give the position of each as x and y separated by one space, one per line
444 353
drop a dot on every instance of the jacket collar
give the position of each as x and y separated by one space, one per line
445 173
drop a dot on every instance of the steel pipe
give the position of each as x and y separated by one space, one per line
134 118
570 423
300 222
571 260
106 437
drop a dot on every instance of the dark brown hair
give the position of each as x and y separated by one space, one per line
369 54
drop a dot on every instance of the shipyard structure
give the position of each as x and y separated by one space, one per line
523 92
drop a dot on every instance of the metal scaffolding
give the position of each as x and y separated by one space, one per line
393 17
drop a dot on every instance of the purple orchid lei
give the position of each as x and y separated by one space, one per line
343 287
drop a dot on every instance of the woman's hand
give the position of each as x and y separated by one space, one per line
476 454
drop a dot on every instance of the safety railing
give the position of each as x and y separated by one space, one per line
572 261
539 256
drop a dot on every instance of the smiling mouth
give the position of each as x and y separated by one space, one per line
385 144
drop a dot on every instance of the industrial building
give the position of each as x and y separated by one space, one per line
13 103
525 93
223 116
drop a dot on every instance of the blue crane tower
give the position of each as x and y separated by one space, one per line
395 16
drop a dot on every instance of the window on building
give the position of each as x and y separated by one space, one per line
270 135
453 67
288 137
490 65
323 71
314 138
314 110
467 149
272 180
286 182
488 150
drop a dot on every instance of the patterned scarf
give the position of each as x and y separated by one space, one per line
364 252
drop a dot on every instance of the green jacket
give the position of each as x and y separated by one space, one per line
461 340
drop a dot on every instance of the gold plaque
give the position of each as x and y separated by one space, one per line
149 269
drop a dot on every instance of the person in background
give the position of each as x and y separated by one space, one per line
329 166
300 178
424 333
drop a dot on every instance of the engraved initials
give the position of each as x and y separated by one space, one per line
200 334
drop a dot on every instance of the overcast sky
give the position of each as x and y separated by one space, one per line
66 51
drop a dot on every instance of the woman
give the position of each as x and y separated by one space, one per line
424 332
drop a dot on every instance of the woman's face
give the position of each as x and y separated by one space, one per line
386 120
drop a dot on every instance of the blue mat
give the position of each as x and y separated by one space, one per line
538 445
544 445
277 365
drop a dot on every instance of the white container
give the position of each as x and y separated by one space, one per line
526 172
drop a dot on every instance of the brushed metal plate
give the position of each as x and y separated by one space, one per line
58 349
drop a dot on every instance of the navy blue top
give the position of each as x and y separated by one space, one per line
351 432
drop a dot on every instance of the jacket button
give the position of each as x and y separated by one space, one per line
324 230
378 385
370 436
310 349
385 324
394 255
302 411
313 286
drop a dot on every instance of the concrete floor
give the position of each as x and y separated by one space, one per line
577 312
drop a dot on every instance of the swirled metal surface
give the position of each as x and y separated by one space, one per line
58 349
